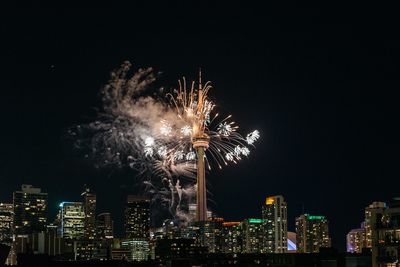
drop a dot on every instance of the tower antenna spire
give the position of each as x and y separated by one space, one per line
200 85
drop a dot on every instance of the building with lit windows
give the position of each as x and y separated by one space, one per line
252 236
137 217
231 237
139 250
209 234
370 212
385 232
355 240
30 210
274 215
312 233
105 226
7 230
72 218
89 201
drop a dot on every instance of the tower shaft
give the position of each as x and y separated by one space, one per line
201 196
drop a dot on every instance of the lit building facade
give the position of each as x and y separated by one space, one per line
139 250
312 233
370 213
137 217
6 223
105 226
7 230
231 237
385 232
89 200
210 234
72 217
274 215
355 240
30 210
253 236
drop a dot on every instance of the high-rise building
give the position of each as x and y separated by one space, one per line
89 200
384 222
253 233
274 215
209 234
312 233
6 223
105 226
137 217
370 212
30 210
7 230
231 236
72 217
355 240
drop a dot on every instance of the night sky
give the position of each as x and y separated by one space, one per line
320 83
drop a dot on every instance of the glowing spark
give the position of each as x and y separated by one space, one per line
229 156
166 128
179 155
225 129
191 156
186 130
149 141
162 151
148 151
252 137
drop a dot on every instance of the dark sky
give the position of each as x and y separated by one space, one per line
320 83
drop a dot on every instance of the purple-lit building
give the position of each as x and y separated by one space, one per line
355 240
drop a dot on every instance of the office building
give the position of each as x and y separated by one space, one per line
137 217
253 236
89 202
231 237
30 210
105 226
274 215
370 212
312 233
384 222
7 230
72 218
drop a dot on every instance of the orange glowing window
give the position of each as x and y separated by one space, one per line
269 201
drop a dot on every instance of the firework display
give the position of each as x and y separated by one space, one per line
167 137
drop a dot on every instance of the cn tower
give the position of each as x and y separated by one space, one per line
200 141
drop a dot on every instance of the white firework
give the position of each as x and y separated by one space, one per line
252 137
186 130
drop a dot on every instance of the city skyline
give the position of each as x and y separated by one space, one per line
319 82
262 217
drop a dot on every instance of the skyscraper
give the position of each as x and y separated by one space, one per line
89 200
105 226
312 233
30 210
274 215
355 240
7 230
370 213
72 220
137 217
231 236
384 222
252 235
6 223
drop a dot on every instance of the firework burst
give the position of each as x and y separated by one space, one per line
155 133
